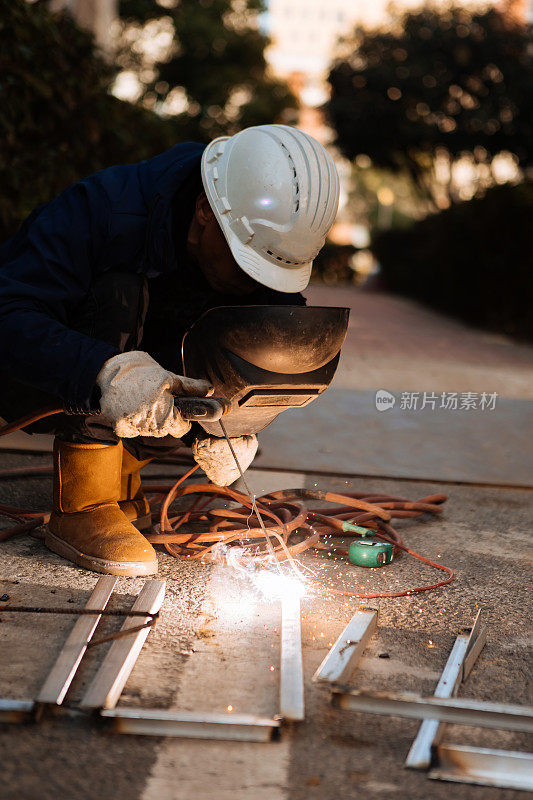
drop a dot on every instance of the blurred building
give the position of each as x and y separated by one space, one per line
96 16
521 9
304 35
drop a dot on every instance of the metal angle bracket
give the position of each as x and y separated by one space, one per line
62 673
342 659
505 769
104 692
459 711
476 642
58 680
463 655
191 725
225 726
460 763
109 681
291 690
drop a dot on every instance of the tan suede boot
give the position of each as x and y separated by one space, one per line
87 525
132 501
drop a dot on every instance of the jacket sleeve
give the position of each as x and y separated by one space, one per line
46 274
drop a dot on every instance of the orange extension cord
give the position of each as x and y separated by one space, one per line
293 527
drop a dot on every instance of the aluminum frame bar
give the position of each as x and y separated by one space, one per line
109 681
342 659
429 733
476 643
291 685
459 711
191 725
505 769
466 646
62 673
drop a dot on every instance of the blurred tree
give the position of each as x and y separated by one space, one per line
216 63
472 260
440 83
333 265
58 121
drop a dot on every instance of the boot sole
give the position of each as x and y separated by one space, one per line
125 568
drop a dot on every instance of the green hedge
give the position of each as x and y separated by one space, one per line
58 121
473 260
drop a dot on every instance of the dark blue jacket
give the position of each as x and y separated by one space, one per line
118 219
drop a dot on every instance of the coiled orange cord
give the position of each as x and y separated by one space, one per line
294 527
288 521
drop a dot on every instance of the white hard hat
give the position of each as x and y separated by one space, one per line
275 192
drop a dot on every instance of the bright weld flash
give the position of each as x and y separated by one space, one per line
276 586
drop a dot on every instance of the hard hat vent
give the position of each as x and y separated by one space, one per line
284 260
296 206
295 183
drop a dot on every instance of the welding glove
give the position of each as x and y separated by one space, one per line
215 458
137 396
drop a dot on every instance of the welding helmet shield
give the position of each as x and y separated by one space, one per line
264 359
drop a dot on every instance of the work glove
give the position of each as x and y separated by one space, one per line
137 396
215 458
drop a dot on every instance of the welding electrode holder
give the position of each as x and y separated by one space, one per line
193 409
202 409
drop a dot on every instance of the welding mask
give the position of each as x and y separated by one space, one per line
264 359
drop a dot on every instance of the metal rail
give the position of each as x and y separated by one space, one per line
191 725
457 711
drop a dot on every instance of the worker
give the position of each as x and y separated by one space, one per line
97 289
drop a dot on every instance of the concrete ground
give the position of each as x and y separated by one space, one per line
217 642
396 344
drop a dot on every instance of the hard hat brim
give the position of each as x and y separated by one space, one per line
275 276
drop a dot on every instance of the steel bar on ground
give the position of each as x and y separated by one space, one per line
109 681
431 731
459 711
477 641
62 673
15 710
504 769
474 631
291 702
341 660
191 725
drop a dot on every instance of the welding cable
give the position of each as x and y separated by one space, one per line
191 542
34 518
18 424
288 521
205 544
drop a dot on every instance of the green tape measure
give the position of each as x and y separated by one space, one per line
367 552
